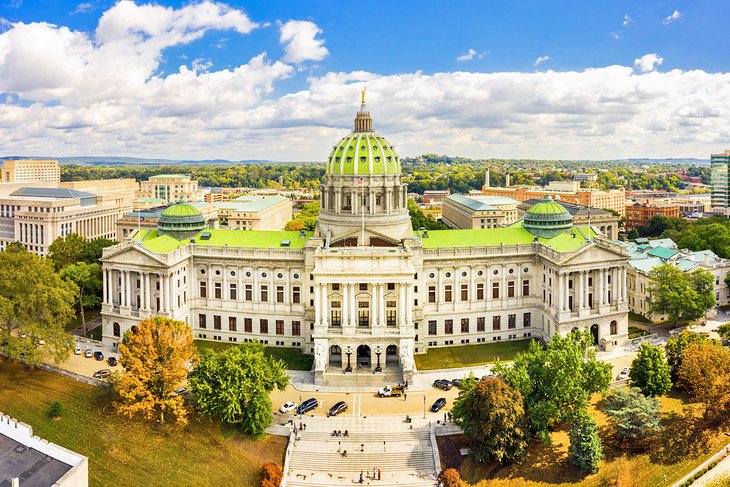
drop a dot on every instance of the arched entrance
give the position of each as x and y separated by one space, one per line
594 333
363 356
391 355
336 356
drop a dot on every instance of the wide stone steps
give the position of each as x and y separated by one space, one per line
355 462
400 436
382 483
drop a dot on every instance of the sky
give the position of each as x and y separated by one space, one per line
281 80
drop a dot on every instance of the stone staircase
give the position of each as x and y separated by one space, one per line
404 456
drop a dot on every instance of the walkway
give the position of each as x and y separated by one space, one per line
404 456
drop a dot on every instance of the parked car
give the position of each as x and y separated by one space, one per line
307 406
88 353
489 376
389 391
77 350
442 384
438 405
102 374
182 391
112 361
338 408
288 406
98 355
456 382
624 374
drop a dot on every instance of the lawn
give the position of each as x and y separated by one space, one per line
130 452
89 314
683 445
292 357
466 356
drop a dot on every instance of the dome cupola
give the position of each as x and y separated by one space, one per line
547 219
181 220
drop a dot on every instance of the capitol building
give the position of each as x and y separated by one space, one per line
364 291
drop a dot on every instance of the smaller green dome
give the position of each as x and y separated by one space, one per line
181 220
547 218
181 208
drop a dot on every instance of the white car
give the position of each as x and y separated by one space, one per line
77 350
88 353
624 374
288 406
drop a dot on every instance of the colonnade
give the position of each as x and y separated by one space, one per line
377 304
604 292
124 294
393 199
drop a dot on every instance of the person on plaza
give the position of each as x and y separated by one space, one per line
374 470
344 453
405 396
361 476
378 474
339 445
362 446
346 435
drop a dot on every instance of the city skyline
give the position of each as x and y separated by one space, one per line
250 81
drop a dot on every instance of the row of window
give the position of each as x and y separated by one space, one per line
248 292
263 329
464 291
481 324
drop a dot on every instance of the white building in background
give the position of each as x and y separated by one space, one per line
171 188
362 292
474 211
30 170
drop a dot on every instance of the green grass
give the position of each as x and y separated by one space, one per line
292 357
493 237
465 356
640 318
228 238
635 332
126 452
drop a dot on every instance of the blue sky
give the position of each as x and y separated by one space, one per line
578 79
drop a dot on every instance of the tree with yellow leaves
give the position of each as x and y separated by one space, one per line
705 372
155 355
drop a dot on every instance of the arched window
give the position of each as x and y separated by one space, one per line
116 329
614 327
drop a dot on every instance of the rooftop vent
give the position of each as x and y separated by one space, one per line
302 234
285 243
205 236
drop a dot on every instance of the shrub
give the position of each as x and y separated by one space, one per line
271 475
55 410
450 478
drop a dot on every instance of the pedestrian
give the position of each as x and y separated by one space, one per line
339 445
405 396
444 417
374 470
383 446
362 446
361 476
300 425
378 474
305 426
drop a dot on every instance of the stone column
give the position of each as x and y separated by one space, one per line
105 276
142 290
148 294
374 305
401 304
128 288
325 305
162 292
578 291
257 290
623 284
345 305
409 304
353 304
224 291
317 305
171 294
559 295
381 298
239 286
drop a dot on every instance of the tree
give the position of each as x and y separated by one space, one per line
724 330
154 356
558 380
677 344
650 371
492 416
235 385
67 250
705 372
35 304
450 478
633 234
633 416
585 450
271 475
681 295
95 248
420 220
87 278
294 225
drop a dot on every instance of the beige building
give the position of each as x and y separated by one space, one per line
602 221
36 216
30 170
608 199
124 189
470 211
255 212
171 188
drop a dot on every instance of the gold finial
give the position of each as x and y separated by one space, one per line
362 99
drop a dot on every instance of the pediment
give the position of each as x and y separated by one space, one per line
133 255
596 255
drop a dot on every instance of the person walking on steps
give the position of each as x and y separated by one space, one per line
361 477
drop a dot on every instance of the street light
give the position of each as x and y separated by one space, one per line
349 352
378 368
424 405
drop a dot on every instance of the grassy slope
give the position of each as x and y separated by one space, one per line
129 452
292 357
468 355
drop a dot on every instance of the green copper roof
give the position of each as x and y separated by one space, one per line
548 209
181 209
547 219
164 244
363 153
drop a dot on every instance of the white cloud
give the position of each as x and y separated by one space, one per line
627 20
201 65
471 54
676 15
541 60
648 62
82 8
300 42
615 35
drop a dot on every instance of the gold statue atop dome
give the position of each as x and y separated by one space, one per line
362 99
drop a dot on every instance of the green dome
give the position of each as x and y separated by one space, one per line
181 220
547 219
363 153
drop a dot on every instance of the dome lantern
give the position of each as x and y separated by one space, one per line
181 220
547 218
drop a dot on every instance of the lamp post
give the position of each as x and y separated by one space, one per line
424 405
349 352
378 368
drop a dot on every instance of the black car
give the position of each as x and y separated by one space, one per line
112 361
98 356
456 383
307 406
438 405
442 384
338 408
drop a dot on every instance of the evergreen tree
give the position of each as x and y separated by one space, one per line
650 371
585 450
633 416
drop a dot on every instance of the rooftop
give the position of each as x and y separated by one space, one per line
170 176
35 469
51 193
647 254
226 238
250 203
481 203
573 208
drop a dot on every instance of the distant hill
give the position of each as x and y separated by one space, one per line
113 160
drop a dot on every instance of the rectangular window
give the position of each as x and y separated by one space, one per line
233 292
614 328
465 292
495 290
480 323
391 286
216 322
335 317
465 325
279 327
480 290
449 327
296 328
217 288
264 294
526 287
264 326
248 325
232 326
279 294
496 323
363 287
526 319
431 327
447 294
203 289
249 293
511 321
363 318
511 289
336 286
201 321
431 294
390 317
296 295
